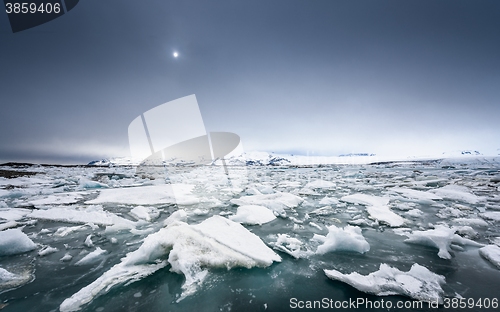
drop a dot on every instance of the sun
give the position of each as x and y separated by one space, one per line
176 54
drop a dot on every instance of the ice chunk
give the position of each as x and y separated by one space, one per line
377 208
13 214
8 225
491 215
347 239
47 250
471 221
92 257
88 241
147 195
89 184
63 231
441 237
81 216
66 257
291 246
253 214
320 184
414 213
323 211
14 241
73 216
145 213
277 202
179 215
216 242
328 201
9 280
58 199
419 283
457 192
6 276
385 215
492 254
414 194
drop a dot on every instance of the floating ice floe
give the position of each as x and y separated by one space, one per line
13 214
292 246
491 215
320 184
58 199
377 208
349 238
14 241
80 216
148 195
414 213
9 280
92 257
47 250
419 283
415 194
215 243
328 201
253 214
470 221
8 225
277 202
492 254
89 184
145 213
66 230
457 192
323 211
441 237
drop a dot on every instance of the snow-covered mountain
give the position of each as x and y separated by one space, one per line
258 158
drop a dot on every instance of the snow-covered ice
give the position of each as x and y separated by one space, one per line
147 195
92 257
277 202
215 243
145 213
14 241
457 192
253 214
377 208
492 254
418 283
441 237
348 238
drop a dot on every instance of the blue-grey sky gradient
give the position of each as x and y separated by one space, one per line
324 77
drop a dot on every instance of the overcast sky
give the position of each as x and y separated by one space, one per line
323 77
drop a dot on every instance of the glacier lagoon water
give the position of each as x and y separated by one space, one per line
258 289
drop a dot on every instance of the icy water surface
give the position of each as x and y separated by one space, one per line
432 214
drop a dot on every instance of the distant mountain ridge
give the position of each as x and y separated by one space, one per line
257 158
